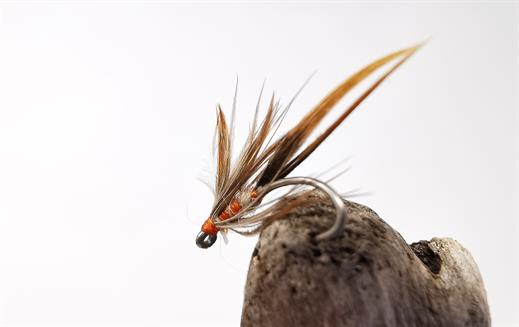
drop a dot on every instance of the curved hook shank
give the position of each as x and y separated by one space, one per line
340 207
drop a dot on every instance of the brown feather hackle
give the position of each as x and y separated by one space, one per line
261 162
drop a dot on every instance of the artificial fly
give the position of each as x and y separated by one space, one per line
263 166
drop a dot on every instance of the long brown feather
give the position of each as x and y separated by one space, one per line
280 163
224 152
311 147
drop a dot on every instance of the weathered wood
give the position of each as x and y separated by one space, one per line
369 276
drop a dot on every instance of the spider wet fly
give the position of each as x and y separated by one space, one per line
263 166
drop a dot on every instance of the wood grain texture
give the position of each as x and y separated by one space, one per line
368 276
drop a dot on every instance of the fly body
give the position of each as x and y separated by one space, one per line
264 163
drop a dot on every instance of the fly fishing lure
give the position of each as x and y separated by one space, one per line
263 166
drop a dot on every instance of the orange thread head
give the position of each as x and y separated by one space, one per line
224 215
209 228
254 194
235 206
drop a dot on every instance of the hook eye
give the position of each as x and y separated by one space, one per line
204 240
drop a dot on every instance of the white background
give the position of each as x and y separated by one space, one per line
107 114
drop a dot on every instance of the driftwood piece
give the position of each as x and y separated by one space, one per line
369 276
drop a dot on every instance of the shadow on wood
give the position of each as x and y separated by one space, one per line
368 276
